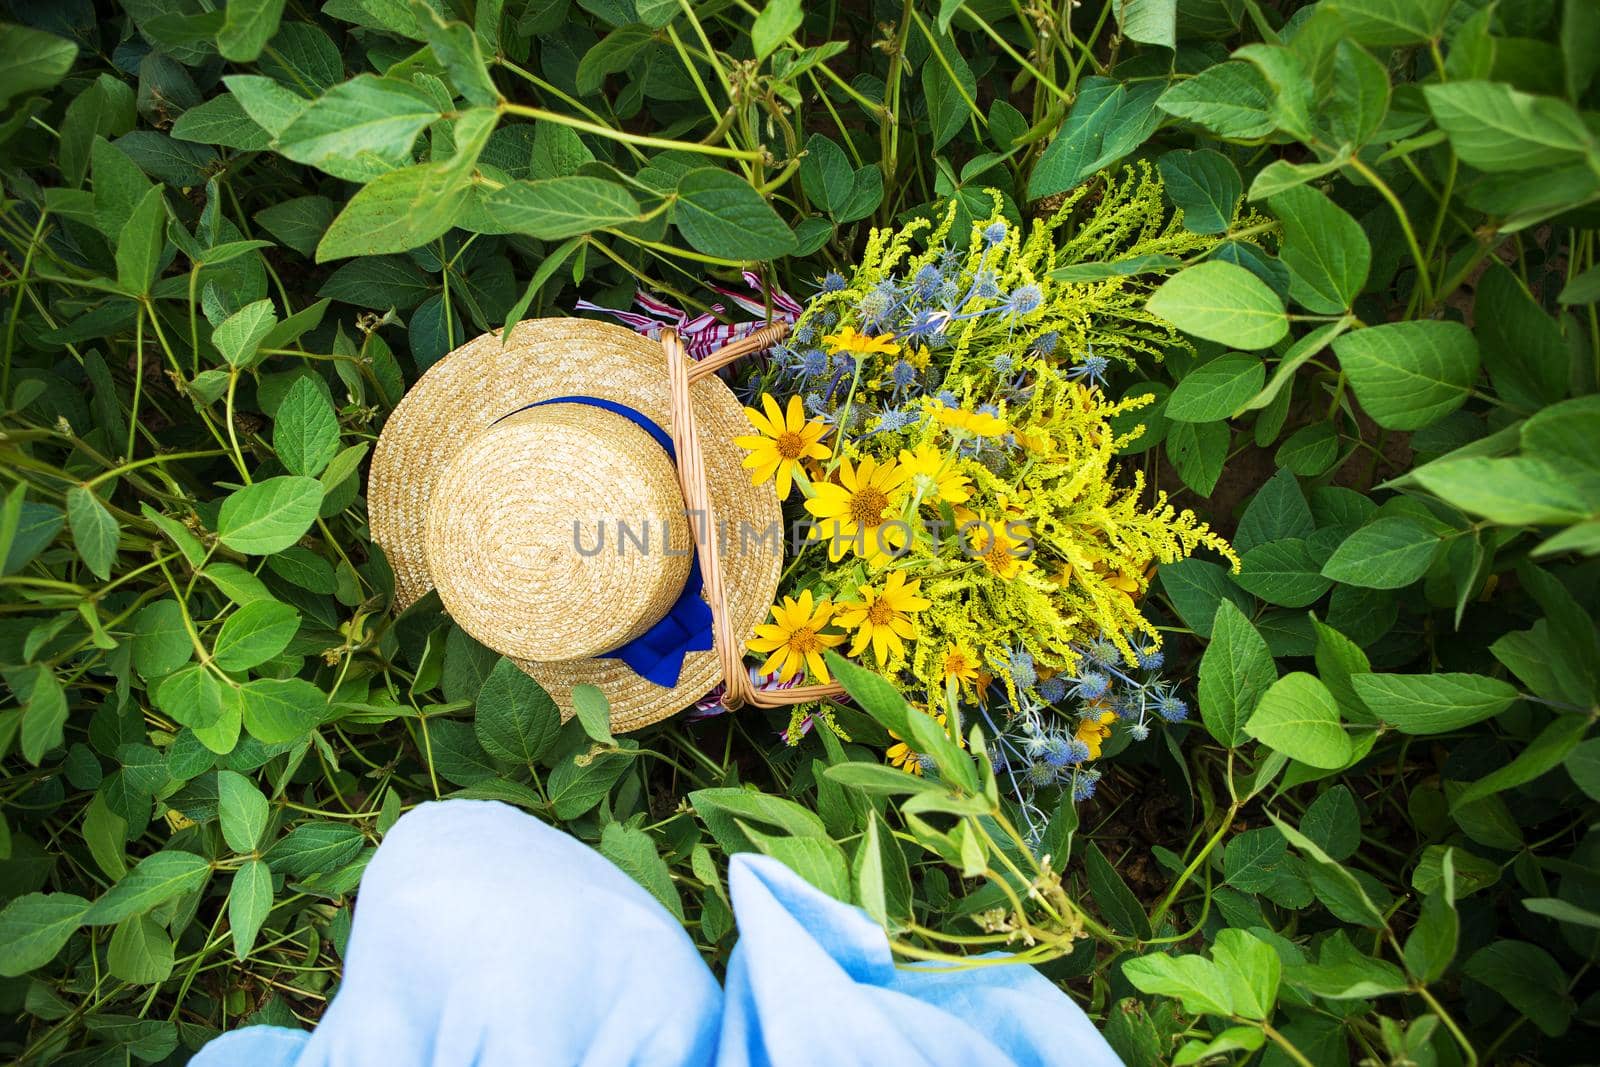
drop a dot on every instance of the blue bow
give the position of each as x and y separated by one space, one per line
657 654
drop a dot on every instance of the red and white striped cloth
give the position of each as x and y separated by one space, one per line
705 333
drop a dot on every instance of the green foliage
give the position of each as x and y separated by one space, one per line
231 238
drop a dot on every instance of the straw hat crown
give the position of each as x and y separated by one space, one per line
558 532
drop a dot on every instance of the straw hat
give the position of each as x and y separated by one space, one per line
500 471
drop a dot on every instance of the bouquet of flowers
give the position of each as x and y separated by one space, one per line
936 426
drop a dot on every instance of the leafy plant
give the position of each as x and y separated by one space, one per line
230 238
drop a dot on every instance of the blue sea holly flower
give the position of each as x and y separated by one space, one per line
1138 729
1020 665
875 307
1084 779
1065 751
949 259
1092 370
1041 773
804 334
927 764
927 280
1092 685
1101 651
833 282
893 420
1025 300
1053 690
1150 657
1170 708
902 373
985 286
1046 343
949 292
926 326
948 399
813 362
994 233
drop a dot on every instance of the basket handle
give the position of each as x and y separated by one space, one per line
681 373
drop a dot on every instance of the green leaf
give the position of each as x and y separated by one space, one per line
1217 388
158 878
1194 980
634 851
1387 553
458 49
1583 764
406 208
1333 822
305 431
720 215
575 787
94 530
160 641
1222 302
1496 128
1251 861
1197 451
269 105
44 716
1112 895
315 848
1408 375
1431 945
1149 21
239 335
249 903
1204 185
191 697
1235 671
247 27
1392 22
140 243
140 951
1514 490
777 21
31 59
594 713
254 634
1355 109
243 811
1285 572
516 720
1433 703
1107 121
879 779
278 710
554 208
1543 754
270 515
826 174
1299 717
950 90
816 859
1251 969
35 926
1326 251
359 129
1529 979
1231 100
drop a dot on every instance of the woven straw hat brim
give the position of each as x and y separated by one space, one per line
482 380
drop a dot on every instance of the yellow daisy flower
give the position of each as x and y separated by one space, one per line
1005 555
860 344
883 617
852 511
973 422
784 440
1094 728
903 755
935 473
960 664
795 638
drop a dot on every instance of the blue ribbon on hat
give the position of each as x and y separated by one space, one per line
657 654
